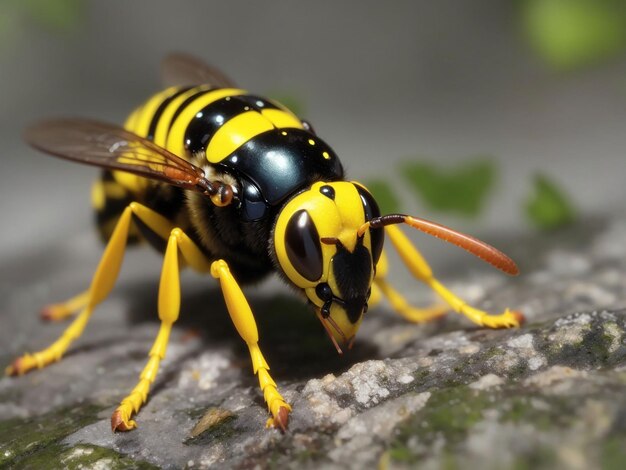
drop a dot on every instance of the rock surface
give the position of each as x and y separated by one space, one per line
445 394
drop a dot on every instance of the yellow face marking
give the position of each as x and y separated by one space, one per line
339 218
234 133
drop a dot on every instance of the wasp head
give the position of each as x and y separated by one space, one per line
319 248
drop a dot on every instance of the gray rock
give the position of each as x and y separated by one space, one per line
548 395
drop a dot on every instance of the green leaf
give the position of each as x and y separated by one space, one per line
547 207
384 195
462 190
574 33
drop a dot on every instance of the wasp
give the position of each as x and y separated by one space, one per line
237 186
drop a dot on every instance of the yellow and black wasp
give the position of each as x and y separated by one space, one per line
236 185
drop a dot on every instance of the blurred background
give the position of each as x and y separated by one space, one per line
493 117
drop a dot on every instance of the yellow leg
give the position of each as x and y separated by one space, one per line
399 302
422 271
63 310
410 313
245 324
169 308
101 285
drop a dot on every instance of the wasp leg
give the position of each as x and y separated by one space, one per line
245 324
101 285
399 303
168 308
422 271
68 308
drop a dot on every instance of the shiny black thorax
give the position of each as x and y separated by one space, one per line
271 166
277 164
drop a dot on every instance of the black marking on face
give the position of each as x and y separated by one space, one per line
371 211
303 247
328 191
353 272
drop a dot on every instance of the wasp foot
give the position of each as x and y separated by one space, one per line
280 420
22 364
508 319
54 313
120 420
63 310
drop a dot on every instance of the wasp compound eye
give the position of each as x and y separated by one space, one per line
324 292
302 244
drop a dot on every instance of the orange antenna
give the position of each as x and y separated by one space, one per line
470 244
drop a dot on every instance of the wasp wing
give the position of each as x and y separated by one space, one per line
186 70
113 147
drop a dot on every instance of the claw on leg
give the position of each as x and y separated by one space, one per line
55 312
63 310
245 324
21 365
280 420
508 319
120 420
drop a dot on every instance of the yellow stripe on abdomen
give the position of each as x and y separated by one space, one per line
280 118
139 123
165 121
142 125
176 137
236 132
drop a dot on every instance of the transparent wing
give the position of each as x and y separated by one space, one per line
113 147
179 69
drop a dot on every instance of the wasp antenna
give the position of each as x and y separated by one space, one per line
470 244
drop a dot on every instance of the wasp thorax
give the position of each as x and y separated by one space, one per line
319 249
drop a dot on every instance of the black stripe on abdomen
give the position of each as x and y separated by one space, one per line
186 103
208 121
159 111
